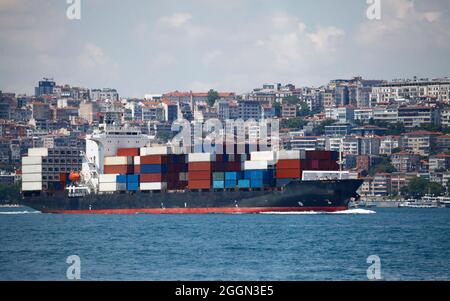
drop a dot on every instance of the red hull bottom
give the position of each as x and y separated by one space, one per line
229 210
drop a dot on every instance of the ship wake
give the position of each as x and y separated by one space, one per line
349 211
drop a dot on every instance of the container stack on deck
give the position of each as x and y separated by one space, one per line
158 169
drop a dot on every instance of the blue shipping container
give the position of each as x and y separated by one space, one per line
254 174
153 168
230 184
132 186
218 184
133 178
256 183
232 175
121 179
244 183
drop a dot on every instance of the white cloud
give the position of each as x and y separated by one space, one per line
176 20
325 38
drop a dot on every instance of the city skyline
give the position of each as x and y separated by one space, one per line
233 46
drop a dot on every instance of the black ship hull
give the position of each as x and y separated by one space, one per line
333 195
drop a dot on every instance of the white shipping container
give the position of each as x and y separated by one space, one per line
156 150
31 160
255 165
310 175
290 155
107 187
38 152
183 176
263 156
153 186
108 178
31 186
118 160
121 186
201 157
31 169
137 160
32 177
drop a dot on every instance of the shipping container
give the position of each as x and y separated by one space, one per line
230 184
244 183
107 187
153 168
153 178
183 176
132 178
154 159
263 156
110 178
288 173
118 169
199 184
233 175
114 161
325 175
132 186
137 160
38 152
128 152
253 174
32 177
218 176
31 169
31 186
121 186
31 161
153 186
137 169
255 165
201 157
121 178
218 184
256 183
291 155
200 166
288 164
156 150
199 175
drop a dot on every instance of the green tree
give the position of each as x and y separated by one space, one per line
419 186
10 193
304 109
212 97
384 166
322 125
293 123
277 108
291 99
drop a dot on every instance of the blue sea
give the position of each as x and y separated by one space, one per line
412 244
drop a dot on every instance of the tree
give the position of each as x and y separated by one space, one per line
212 97
384 166
419 186
304 109
291 99
10 193
322 125
293 123
277 107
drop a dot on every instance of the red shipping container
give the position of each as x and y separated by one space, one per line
118 169
128 152
315 164
199 184
289 173
152 178
154 159
200 166
282 164
199 175
137 169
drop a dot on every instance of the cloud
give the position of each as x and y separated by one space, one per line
176 20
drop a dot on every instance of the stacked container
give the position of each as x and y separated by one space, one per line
153 172
321 160
108 183
119 165
32 171
289 167
200 170
258 171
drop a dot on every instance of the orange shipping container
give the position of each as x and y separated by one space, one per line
283 164
118 169
288 173
199 184
199 175
151 178
200 166
154 159
128 152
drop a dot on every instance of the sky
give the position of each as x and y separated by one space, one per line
151 47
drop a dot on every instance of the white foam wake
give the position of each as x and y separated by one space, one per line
19 212
349 211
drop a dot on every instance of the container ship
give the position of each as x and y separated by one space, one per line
115 178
